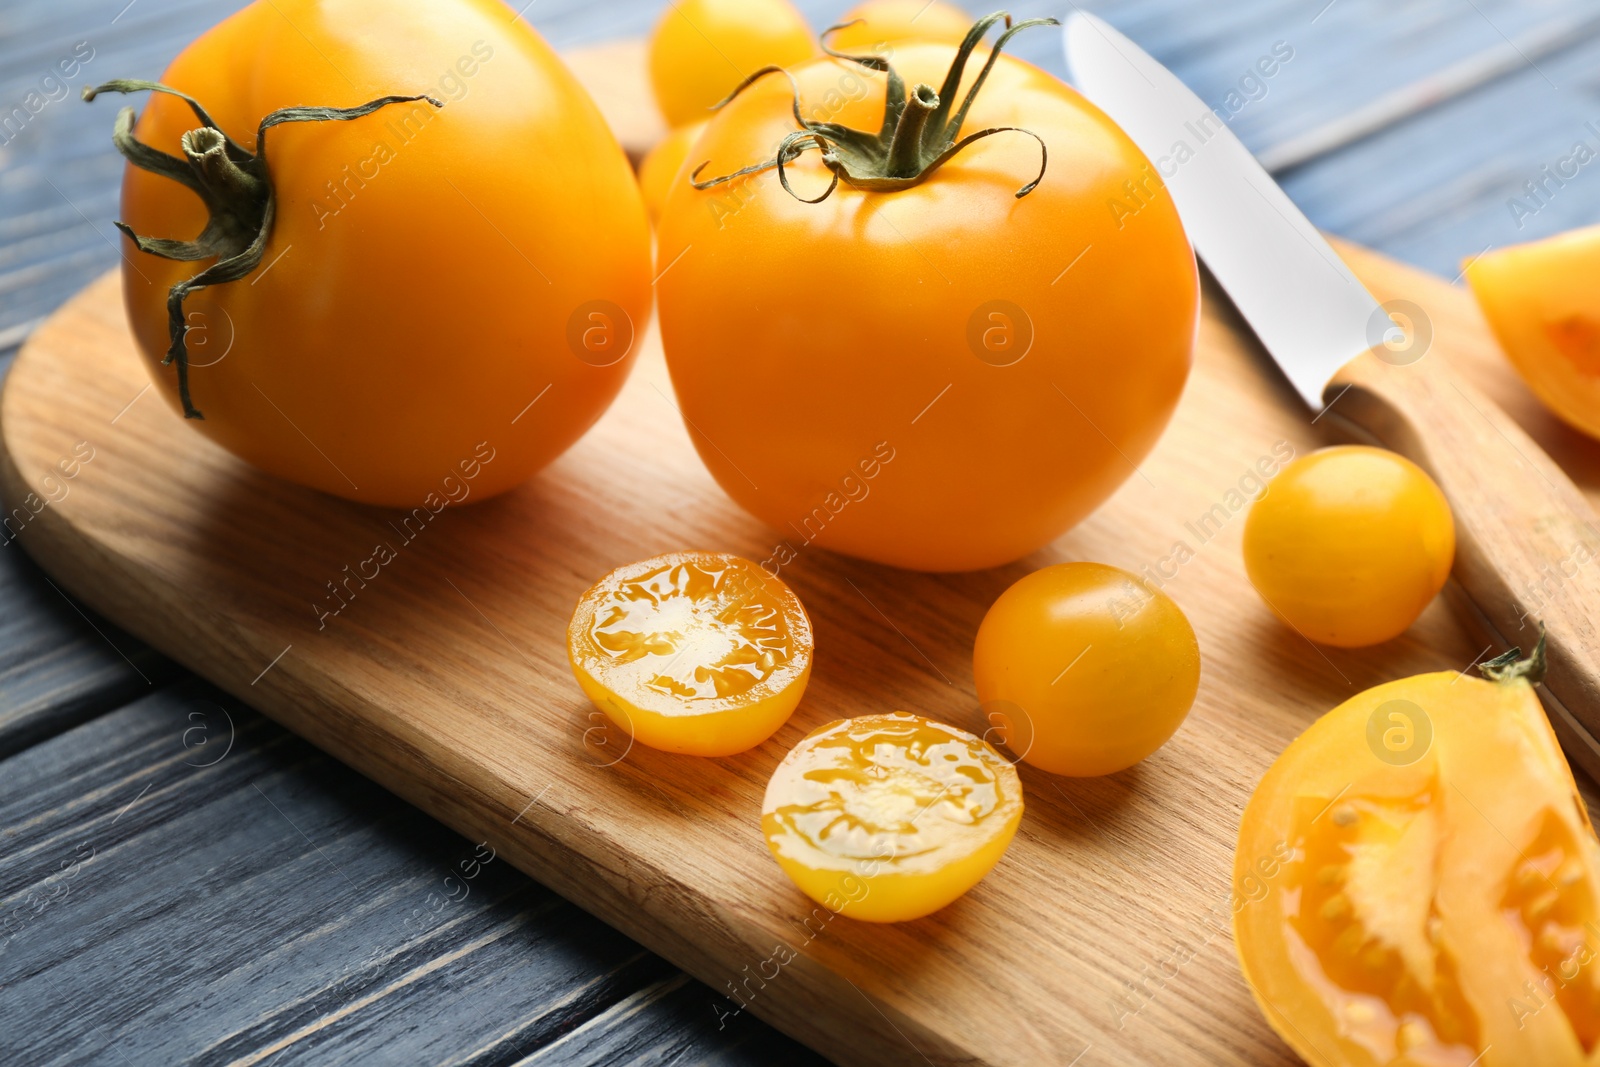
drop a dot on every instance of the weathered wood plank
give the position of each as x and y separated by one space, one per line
183 881
1442 187
673 1021
59 664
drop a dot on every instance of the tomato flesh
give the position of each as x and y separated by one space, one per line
1416 883
693 652
886 818
1541 301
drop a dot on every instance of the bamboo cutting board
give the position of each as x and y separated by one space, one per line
1101 938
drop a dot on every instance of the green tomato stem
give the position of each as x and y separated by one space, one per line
919 133
236 188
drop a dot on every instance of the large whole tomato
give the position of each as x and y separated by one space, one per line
939 374
440 284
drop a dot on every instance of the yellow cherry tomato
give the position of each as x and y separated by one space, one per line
702 49
1543 303
663 164
1084 669
885 21
1350 544
693 652
885 818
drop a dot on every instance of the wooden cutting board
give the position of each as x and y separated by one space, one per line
1101 938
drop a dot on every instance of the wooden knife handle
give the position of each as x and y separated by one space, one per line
1527 541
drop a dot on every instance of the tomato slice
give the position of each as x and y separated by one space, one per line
1541 302
1416 883
890 817
694 652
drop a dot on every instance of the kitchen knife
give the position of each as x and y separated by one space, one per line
1528 543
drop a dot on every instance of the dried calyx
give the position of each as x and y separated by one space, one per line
1510 666
919 133
237 191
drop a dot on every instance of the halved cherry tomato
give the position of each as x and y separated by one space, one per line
694 652
885 22
886 818
1543 303
1084 669
933 372
1350 544
436 279
703 48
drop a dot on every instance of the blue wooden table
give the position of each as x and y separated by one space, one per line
183 881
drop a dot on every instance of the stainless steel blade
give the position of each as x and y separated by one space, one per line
1304 304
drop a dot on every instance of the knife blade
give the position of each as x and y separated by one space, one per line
1304 304
1527 541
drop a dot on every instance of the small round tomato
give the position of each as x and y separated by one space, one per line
702 49
884 22
1084 669
448 290
941 368
694 652
1541 300
1349 544
664 163
886 818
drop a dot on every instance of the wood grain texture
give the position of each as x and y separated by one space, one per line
183 881
58 666
672 1021
445 680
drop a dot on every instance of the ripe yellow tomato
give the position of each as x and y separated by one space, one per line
886 818
432 285
1544 306
1084 669
1417 882
1350 544
703 48
694 652
664 163
884 22
940 375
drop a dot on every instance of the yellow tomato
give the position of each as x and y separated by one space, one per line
933 373
1085 670
663 164
885 21
426 275
703 48
890 817
1416 883
1543 301
694 652
1350 544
